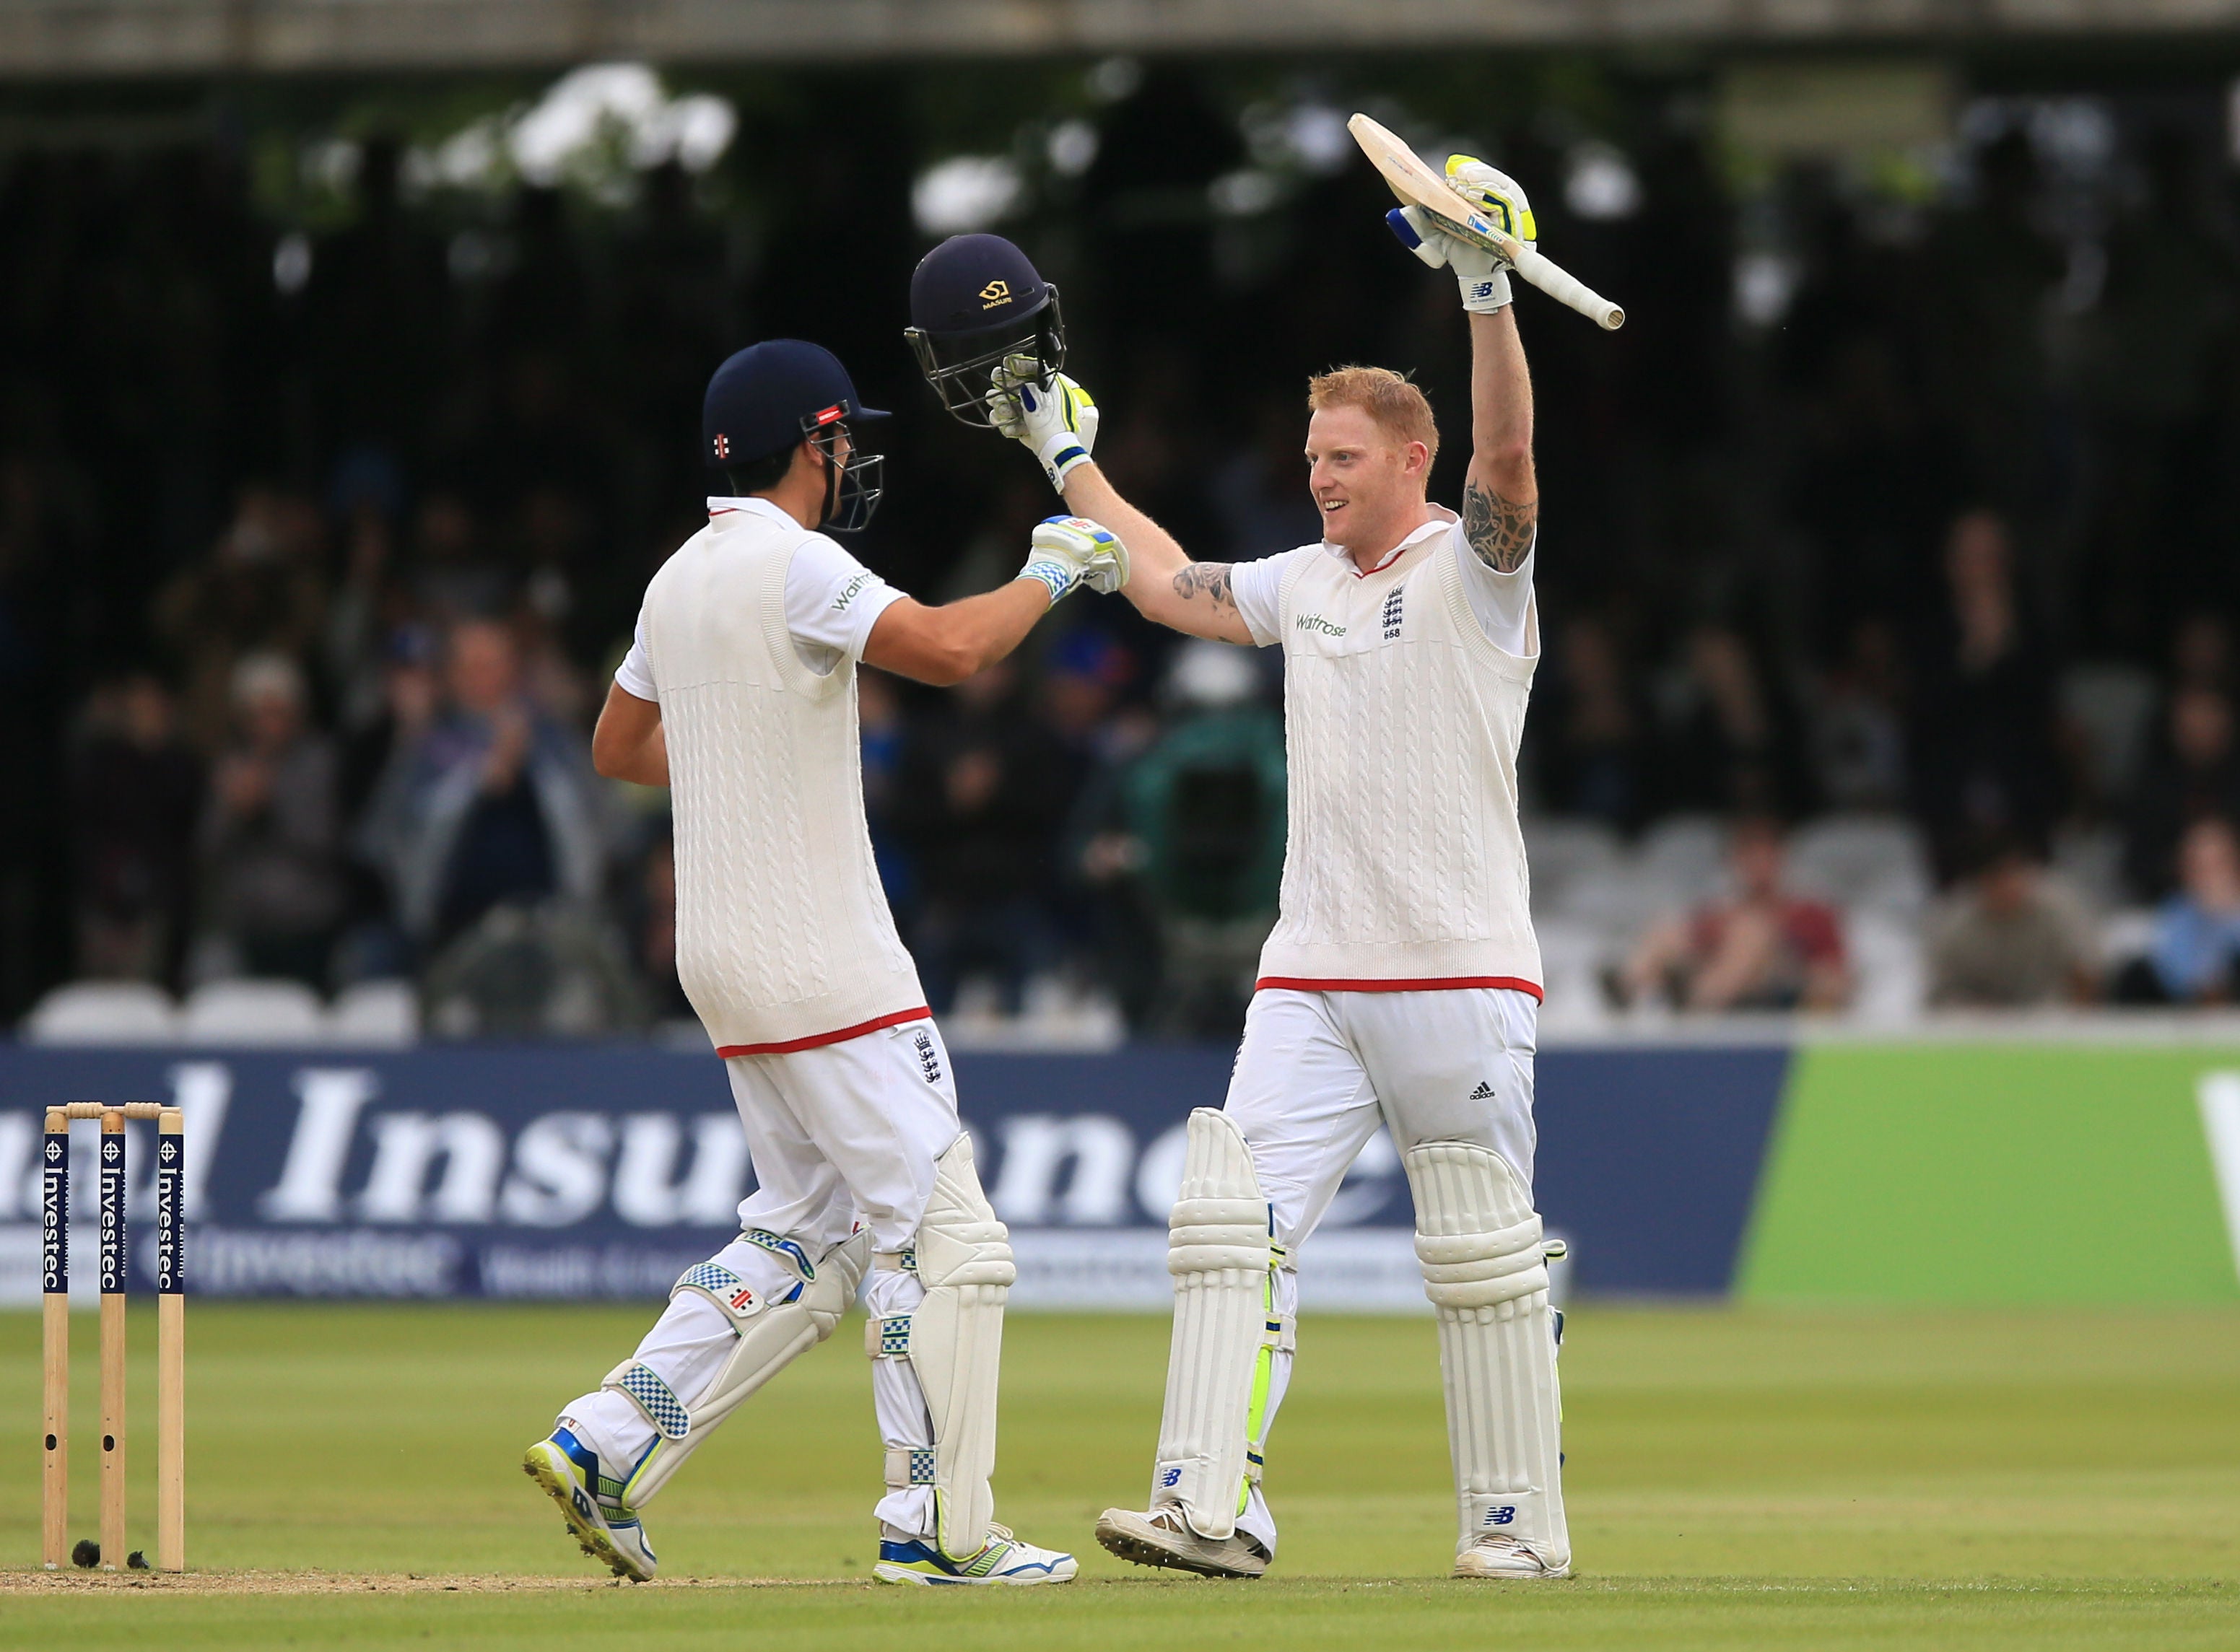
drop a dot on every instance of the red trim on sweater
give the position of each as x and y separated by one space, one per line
788 1046
1435 984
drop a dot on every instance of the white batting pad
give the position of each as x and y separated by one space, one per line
771 1334
955 1342
1219 1251
1478 1240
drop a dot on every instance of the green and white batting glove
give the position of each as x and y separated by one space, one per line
1073 551
1057 421
1482 275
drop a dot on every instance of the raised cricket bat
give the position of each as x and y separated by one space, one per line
1417 185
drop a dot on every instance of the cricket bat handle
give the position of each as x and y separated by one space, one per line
1565 288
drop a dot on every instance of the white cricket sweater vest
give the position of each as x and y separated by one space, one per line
784 938
1405 868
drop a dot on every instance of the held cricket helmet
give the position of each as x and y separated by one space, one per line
975 300
768 399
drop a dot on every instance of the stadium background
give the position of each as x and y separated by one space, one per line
1902 511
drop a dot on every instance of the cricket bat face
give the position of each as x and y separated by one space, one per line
1412 180
1418 185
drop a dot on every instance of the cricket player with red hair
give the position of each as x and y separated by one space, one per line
1401 983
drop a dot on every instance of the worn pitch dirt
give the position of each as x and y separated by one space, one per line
80 1582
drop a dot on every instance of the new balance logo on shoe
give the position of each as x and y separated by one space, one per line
1482 1093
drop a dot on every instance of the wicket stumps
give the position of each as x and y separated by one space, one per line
171 1332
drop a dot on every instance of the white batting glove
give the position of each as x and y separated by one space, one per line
1057 422
1482 275
1073 551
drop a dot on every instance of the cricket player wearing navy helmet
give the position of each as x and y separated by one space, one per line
739 695
976 303
1400 986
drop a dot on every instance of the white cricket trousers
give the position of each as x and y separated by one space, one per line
1318 1072
838 1133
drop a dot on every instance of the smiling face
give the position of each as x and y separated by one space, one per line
1368 485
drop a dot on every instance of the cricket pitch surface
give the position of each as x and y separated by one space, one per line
1738 1478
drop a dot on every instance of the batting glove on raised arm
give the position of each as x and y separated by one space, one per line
1055 421
1073 551
1482 275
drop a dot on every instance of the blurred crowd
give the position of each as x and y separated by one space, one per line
1889 621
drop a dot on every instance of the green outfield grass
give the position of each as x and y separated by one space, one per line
1738 1478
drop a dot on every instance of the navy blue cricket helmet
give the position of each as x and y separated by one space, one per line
975 300
769 398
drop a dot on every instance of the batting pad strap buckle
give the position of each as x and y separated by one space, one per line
886 1336
895 1262
653 1397
909 1466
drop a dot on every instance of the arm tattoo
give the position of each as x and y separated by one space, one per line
1499 531
1211 578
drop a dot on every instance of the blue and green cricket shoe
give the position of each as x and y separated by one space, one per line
608 1532
1002 1559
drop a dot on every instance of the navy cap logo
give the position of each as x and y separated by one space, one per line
995 293
722 447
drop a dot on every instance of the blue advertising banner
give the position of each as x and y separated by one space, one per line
605 1170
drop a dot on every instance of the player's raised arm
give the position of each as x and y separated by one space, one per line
989 337
1500 498
1165 585
1056 420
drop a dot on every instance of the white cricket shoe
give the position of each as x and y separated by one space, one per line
1002 1559
613 1535
1164 1538
1497 1555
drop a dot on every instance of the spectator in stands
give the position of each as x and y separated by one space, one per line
1983 736
411 694
2195 957
271 832
2191 772
1195 842
1589 736
1997 267
493 803
1728 743
135 790
1078 700
881 736
373 945
2201 652
1858 727
1763 949
985 788
651 910
368 602
2010 937
260 591
453 576
1255 492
